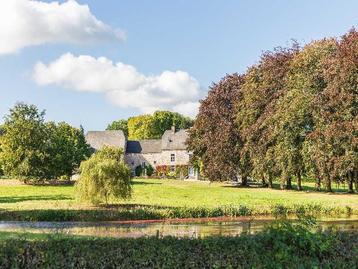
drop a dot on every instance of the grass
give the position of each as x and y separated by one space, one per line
157 199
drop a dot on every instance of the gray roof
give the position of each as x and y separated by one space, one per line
99 139
144 146
174 140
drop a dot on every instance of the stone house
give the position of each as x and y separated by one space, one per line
169 151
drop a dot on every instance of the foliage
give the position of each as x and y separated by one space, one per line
138 171
154 126
32 148
149 170
181 171
103 176
162 170
24 143
214 137
283 245
291 116
119 125
68 148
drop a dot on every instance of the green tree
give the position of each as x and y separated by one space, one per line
141 127
164 120
24 142
153 126
119 125
67 149
103 176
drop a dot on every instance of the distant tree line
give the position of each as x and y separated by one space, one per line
31 148
291 116
149 126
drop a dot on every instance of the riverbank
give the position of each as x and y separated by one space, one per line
155 199
280 246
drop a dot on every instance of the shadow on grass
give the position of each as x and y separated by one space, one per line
342 189
143 182
18 199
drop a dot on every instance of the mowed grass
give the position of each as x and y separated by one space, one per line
172 194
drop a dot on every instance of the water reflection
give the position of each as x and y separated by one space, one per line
179 229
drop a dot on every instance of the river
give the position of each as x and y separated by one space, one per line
177 228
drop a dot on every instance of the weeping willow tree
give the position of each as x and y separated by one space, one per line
104 176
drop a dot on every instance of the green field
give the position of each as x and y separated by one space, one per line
155 198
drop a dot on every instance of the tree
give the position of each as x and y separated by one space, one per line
214 137
264 85
119 125
24 142
67 149
30 148
105 175
153 126
164 120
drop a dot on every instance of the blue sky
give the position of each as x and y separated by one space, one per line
204 39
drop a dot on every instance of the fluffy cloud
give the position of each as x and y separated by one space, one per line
122 84
26 23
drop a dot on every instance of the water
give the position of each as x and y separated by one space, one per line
177 229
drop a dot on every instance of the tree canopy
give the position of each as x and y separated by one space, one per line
105 175
151 126
294 116
31 148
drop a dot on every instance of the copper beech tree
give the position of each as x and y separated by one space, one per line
291 116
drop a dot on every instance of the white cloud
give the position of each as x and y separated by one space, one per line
26 23
122 84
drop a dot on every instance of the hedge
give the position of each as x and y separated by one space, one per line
283 246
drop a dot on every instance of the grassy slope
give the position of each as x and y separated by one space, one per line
171 193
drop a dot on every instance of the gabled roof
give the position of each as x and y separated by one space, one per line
174 140
144 146
99 139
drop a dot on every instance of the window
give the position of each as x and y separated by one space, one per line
172 168
143 164
172 157
155 162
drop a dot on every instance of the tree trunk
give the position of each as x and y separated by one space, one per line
356 180
350 182
318 183
289 183
299 181
264 183
270 182
328 184
244 181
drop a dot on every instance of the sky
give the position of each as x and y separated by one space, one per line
89 62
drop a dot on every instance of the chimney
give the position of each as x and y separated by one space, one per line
173 128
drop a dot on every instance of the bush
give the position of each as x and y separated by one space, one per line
149 170
281 246
138 171
104 175
162 170
181 171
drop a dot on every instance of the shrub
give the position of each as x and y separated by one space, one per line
104 175
138 170
149 170
281 246
162 170
181 171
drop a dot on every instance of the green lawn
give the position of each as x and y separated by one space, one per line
168 195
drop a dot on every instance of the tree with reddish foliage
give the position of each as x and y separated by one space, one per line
214 138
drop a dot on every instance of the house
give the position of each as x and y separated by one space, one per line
169 151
